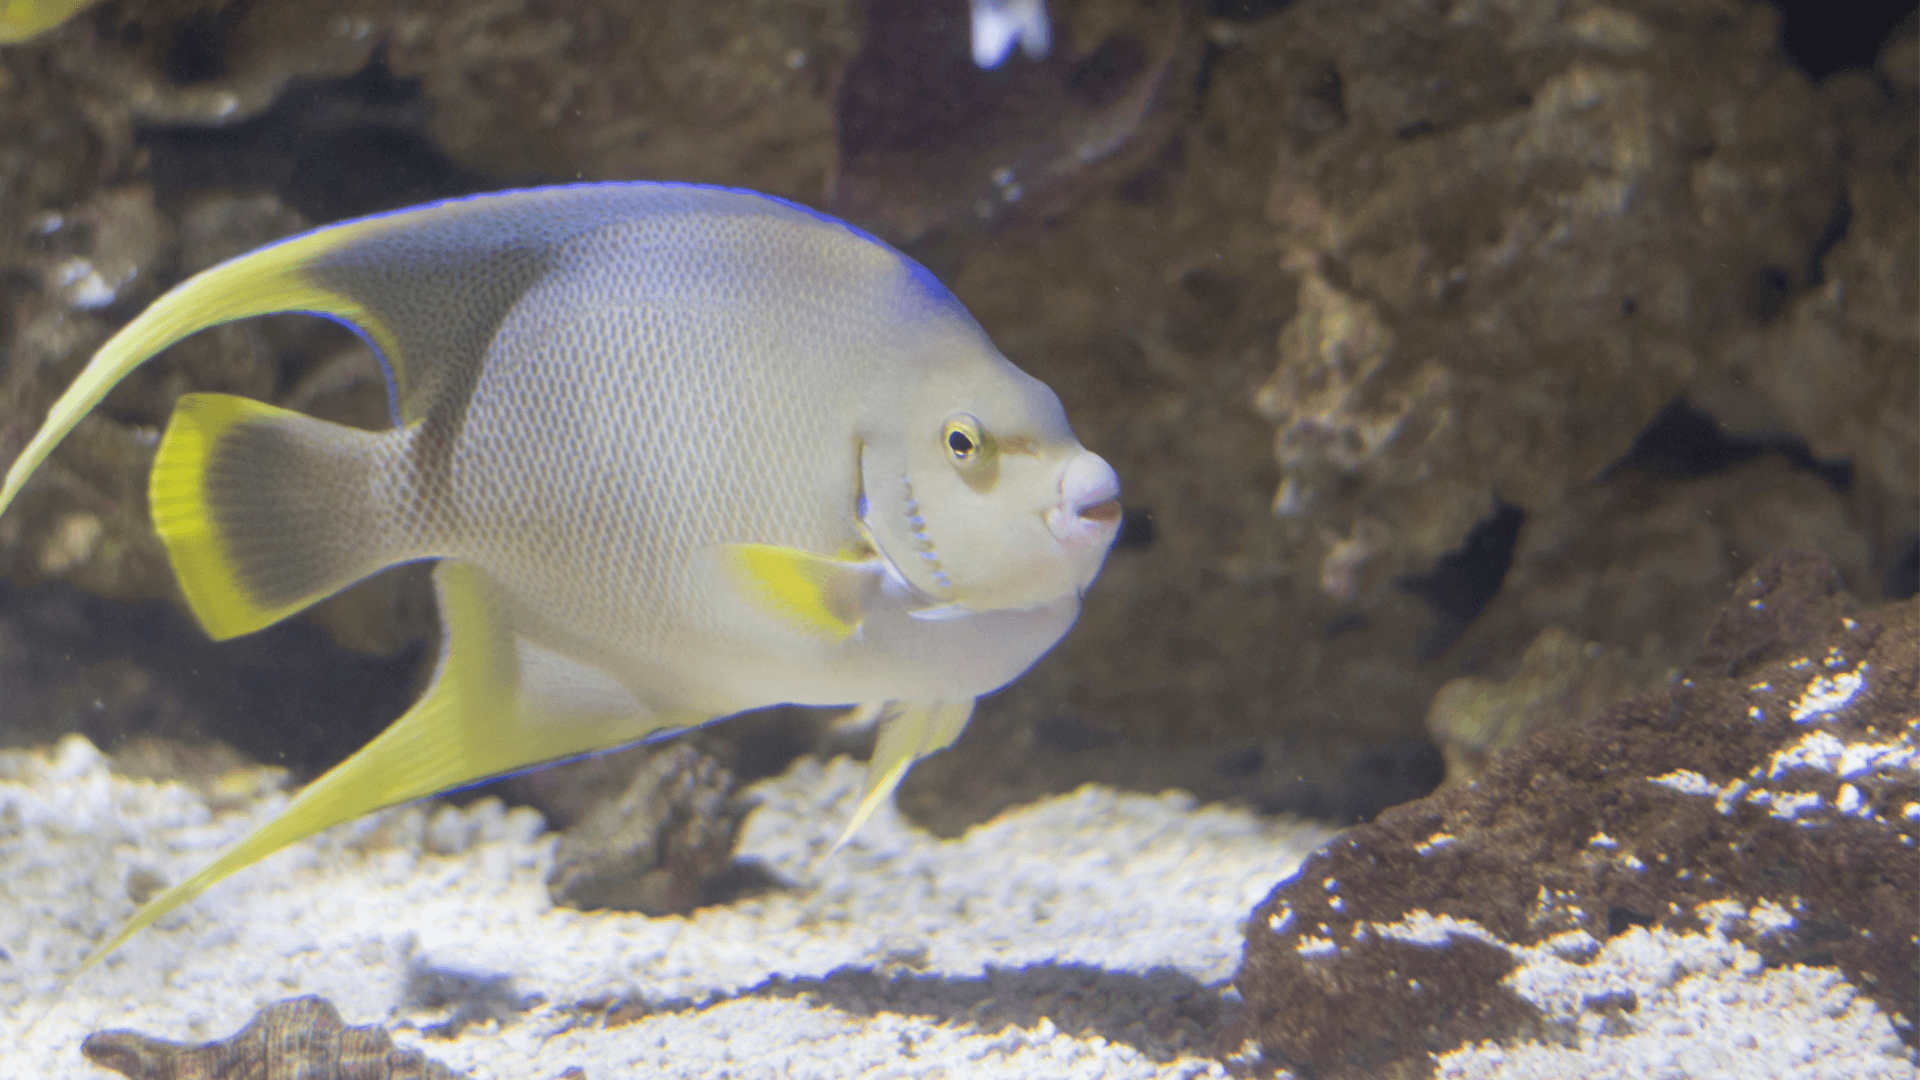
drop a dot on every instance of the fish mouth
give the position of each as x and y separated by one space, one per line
1088 513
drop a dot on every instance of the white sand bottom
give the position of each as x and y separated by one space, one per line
1086 936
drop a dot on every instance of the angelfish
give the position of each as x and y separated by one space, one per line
679 451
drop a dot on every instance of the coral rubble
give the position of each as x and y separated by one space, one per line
657 848
301 1037
1771 797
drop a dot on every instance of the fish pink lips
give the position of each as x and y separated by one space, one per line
1089 510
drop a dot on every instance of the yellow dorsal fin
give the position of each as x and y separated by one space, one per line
427 286
908 732
259 283
813 593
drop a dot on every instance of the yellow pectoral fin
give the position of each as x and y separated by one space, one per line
818 595
907 734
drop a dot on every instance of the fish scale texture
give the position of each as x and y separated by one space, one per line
601 387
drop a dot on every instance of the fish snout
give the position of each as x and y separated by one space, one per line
1089 511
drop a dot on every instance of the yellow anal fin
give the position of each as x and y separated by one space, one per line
815 594
475 722
908 732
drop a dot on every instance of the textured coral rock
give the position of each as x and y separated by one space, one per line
660 846
1403 268
1839 365
1611 591
1771 797
930 142
297 1039
1368 276
1519 243
1560 679
737 92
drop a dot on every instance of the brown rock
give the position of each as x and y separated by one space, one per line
298 1039
929 142
661 847
1375 267
1720 788
736 92
1426 265
1838 368
1560 679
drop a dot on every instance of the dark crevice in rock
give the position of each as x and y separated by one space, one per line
1684 442
1365 786
197 52
1242 763
1622 919
1247 10
1903 577
1463 581
1103 77
1836 231
331 149
1770 294
1823 37
1136 528
1069 733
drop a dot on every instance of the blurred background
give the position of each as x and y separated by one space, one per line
1455 358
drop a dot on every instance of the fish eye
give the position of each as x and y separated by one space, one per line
968 444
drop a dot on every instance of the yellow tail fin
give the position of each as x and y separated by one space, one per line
265 511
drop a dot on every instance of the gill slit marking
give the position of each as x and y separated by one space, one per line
896 582
917 528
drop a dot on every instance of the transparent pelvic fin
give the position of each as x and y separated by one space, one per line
908 732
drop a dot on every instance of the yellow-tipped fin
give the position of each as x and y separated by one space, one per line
907 733
437 744
474 723
815 594
23 19
268 280
264 511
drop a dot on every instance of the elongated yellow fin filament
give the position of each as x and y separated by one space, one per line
474 723
265 281
908 732
452 735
